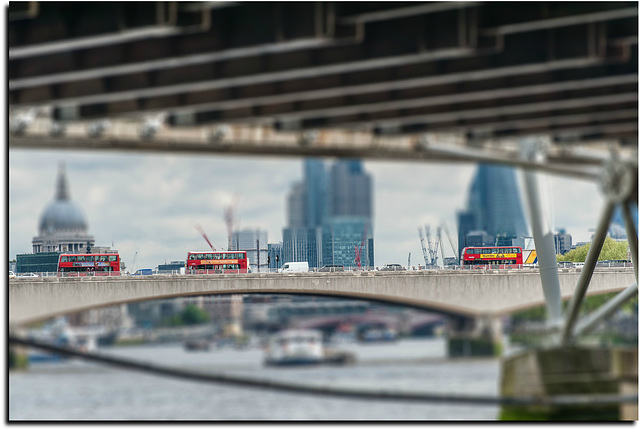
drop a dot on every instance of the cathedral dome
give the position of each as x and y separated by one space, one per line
62 214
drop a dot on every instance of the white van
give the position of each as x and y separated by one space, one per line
294 267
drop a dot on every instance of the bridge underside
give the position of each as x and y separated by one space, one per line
270 77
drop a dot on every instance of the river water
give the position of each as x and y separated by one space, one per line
78 390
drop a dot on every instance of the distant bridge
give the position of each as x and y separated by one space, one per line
470 294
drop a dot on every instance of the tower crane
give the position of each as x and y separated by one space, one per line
229 217
133 262
358 250
439 243
424 249
205 236
454 248
433 248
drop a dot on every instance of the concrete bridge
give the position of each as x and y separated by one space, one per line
467 294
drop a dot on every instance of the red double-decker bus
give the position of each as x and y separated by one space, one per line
217 262
492 256
89 265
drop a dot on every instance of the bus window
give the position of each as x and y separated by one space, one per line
80 257
89 258
72 258
517 250
63 259
113 258
209 256
104 258
486 251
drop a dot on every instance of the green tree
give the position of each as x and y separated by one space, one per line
192 315
611 250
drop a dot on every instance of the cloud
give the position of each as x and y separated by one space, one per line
151 203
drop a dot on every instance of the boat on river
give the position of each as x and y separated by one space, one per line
295 347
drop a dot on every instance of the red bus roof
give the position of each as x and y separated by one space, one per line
101 253
211 252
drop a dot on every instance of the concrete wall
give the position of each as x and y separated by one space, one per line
456 292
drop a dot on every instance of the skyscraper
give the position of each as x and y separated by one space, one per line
297 206
329 216
350 190
348 228
306 209
316 192
617 228
493 206
255 243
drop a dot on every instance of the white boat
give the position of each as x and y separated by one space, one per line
295 347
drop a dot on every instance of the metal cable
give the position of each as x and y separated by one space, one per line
388 395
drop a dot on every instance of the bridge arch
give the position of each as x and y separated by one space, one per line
453 293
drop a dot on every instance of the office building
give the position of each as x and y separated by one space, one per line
479 238
301 244
256 245
336 209
343 238
617 228
274 251
493 206
349 190
173 267
562 241
42 262
329 215
315 192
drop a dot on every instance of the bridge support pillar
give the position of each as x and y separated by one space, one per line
475 337
570 370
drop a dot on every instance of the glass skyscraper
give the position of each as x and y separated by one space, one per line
328 215
493 206
255 243
340 237
617 228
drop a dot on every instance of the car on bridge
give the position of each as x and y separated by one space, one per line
28 275
392 268
11 275
331 268
142 272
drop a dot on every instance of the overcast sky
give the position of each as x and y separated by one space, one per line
151 203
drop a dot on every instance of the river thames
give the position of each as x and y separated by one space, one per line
78 390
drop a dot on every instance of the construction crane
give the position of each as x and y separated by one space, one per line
454 248
424 249
439 243
433 247
133 262
229 218
357 260
205 236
